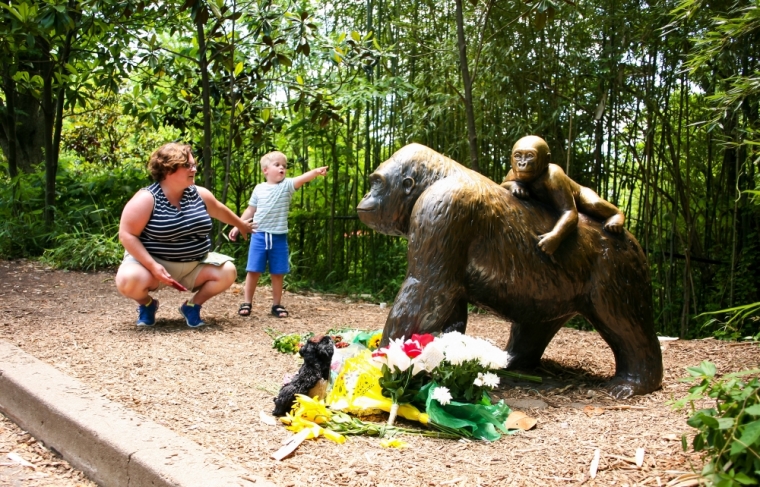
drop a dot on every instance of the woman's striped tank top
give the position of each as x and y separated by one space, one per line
177 235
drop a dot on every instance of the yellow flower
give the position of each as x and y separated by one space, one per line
311 409
374 341
307 412
393 443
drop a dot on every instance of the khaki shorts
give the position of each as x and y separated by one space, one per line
183 272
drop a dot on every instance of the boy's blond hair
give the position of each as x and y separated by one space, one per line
269 157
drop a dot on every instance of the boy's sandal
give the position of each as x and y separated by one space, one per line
245 309
278 310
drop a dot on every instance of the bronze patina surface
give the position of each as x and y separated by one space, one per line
471 240
533 175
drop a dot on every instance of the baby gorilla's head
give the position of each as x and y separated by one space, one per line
530 158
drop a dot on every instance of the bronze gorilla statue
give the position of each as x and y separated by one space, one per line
471 240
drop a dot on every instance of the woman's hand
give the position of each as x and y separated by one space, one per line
248 226
160 273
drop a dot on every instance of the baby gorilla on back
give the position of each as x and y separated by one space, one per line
533 174
317 354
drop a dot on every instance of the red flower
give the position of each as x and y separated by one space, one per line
411 348
423 340
380 352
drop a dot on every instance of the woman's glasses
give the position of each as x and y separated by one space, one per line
190 166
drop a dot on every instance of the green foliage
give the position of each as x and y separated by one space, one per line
729 324
21 231
729 433
460 380
287 342
82 251
578 322
401 387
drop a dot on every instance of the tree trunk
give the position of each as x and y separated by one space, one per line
206 97
9 125
52 109
233 128
51 163
28 124
472 136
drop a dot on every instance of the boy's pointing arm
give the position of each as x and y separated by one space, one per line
308 176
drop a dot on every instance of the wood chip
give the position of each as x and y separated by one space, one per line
639 457
16 458
594 464
452 481
593 410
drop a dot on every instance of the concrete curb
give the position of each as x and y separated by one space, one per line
112 445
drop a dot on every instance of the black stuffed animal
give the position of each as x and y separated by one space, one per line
317 355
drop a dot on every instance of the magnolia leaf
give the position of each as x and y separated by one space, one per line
215 10
267 419
519 420
291 445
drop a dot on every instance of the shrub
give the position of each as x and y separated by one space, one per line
84 251
729 433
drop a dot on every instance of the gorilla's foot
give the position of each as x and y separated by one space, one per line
522 362
625 387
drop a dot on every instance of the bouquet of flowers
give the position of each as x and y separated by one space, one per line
465 374
457 393
405 368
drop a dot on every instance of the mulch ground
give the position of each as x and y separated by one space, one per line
211 384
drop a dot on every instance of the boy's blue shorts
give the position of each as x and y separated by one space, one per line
270 247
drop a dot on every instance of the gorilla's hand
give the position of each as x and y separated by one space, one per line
549 242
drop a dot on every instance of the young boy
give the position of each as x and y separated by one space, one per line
268 208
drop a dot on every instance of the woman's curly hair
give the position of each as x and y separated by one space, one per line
167 159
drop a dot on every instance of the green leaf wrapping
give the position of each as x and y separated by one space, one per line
482 421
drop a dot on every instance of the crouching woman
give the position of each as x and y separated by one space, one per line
165 230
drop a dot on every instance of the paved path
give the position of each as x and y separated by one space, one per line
112 445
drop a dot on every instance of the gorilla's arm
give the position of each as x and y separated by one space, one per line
432 295
510 184
558 190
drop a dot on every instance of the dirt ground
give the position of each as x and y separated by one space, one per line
211 384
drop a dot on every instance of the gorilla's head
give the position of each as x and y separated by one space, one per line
395 186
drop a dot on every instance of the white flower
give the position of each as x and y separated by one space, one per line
490 379
492 357
460 348
442 395
478 382
396 357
